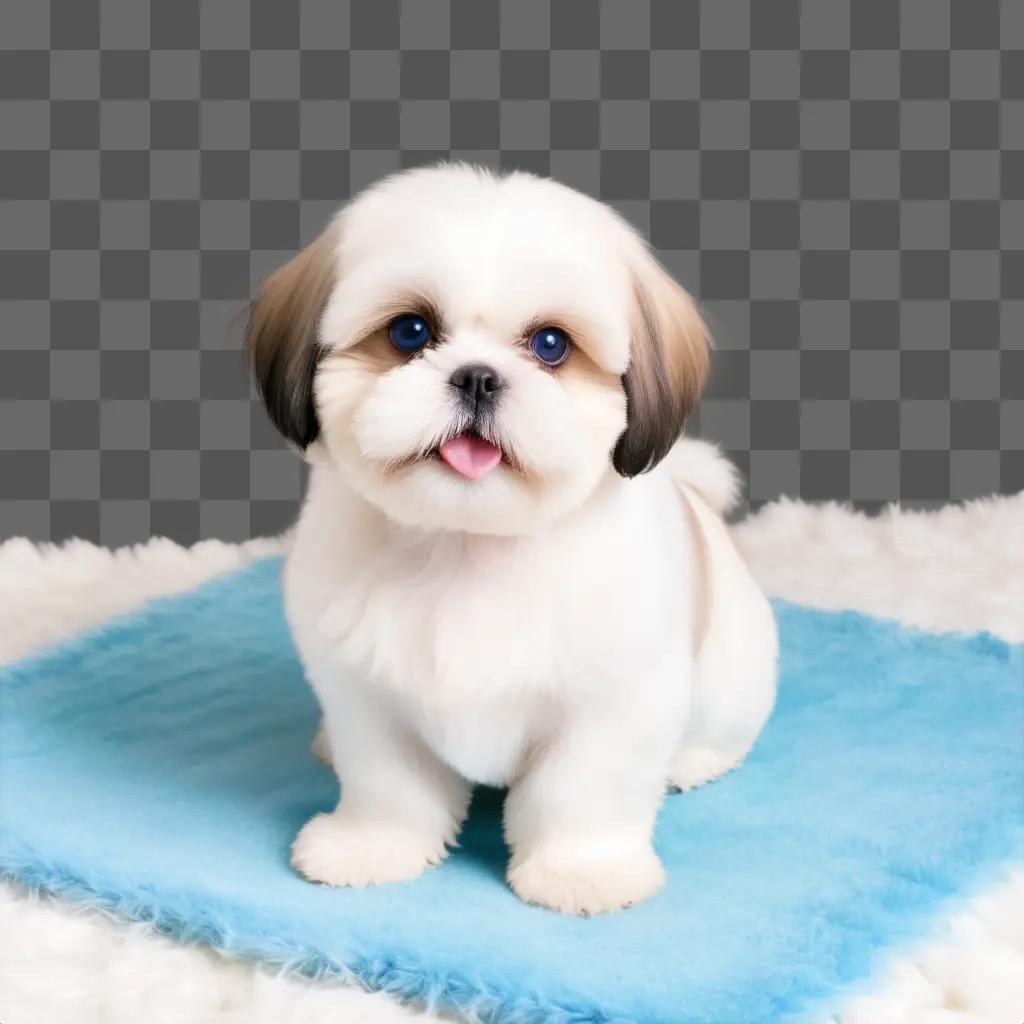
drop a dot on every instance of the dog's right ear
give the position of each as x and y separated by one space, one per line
281 337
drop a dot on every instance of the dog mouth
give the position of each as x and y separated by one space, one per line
470 455
467 454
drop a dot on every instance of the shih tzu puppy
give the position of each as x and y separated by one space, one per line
508 569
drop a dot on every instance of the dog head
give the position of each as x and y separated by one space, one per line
476 352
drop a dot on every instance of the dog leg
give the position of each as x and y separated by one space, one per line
581 818
400 806
734 682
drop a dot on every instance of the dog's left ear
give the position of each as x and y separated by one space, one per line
281 337
668 362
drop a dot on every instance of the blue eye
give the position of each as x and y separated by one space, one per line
550 345
409 333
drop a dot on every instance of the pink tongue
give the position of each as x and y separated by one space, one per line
470 455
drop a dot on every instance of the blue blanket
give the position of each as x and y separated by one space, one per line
160 767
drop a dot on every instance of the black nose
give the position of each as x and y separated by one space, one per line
478 382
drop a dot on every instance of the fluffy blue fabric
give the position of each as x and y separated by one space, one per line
160 767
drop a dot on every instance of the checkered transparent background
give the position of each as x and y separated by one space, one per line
842 185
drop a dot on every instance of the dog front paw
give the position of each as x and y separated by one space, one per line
335 851
578 879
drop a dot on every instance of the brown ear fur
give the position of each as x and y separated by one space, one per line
281 338
668 363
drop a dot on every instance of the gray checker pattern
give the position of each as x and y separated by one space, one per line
841 184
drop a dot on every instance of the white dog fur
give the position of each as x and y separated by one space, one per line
576 623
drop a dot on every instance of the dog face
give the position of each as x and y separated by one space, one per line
477 353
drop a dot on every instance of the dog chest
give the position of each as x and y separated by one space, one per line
484 741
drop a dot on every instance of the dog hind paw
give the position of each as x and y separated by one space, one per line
694 766
321 746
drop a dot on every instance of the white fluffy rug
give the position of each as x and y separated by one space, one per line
961 568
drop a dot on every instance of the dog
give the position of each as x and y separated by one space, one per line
509 568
